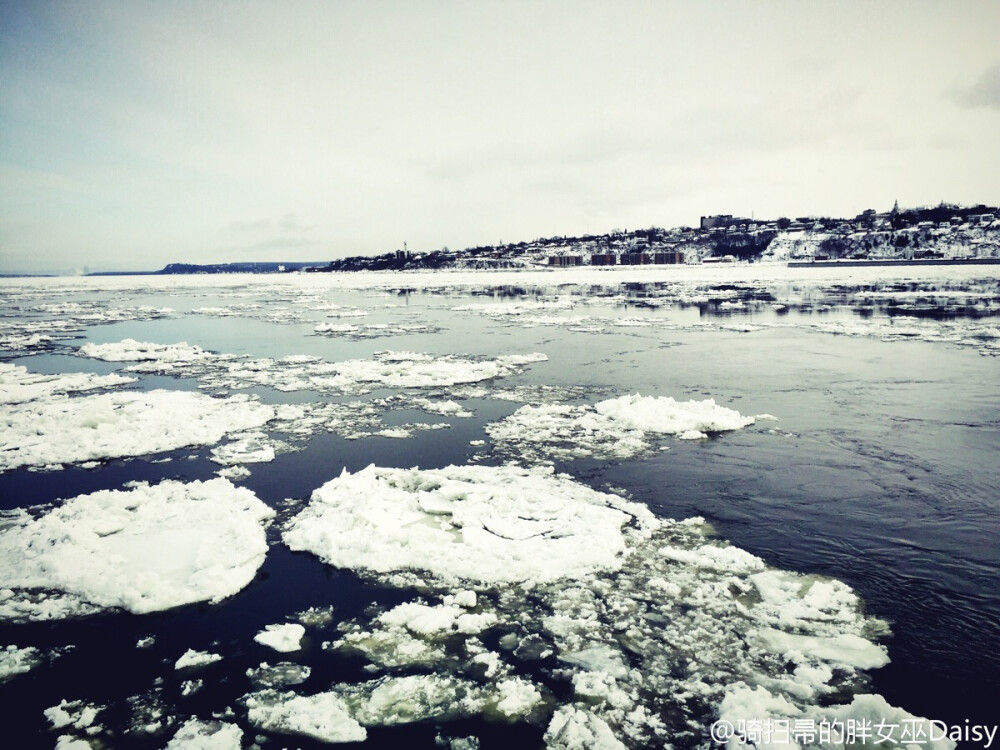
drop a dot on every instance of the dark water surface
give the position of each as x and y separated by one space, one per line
882 472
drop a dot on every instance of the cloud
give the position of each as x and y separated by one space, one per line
288 223
985 92
281 243
269 238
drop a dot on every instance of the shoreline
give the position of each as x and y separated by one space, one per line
884 263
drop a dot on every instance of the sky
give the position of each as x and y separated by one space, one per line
137 133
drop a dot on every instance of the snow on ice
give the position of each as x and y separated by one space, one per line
192 659
370 331
323 716
342 713
39 327
385 369
652 624
166 356
282 674
75 714
17 385
59 430
285 637
15 661
196 734
616 428
147 549
476 523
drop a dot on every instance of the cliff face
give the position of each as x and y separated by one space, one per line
963 241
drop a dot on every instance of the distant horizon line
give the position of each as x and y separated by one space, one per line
85 272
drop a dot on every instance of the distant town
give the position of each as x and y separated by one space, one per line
943 233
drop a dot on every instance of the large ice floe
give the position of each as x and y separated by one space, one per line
386 369
616 428
196 734
472 523
146 549
49 432
545 601
156 357
323 716
17 385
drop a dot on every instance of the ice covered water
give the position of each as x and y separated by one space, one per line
484 509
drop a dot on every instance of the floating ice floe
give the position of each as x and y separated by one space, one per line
472 523
982 336
282 674
196 734
322 716
66 742
15 661
61 430
147 549
192 659
315 617
190 687
17 385
345 312
252 448
150 713
573 728
272 313
95 311
414 370
868 720
415 634
38 328
447 408
508 309
653 638
75 714
342 713
358 419
385 369
616 428
19 341
371 330
286 637
160 357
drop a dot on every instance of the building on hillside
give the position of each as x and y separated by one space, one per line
603 259
634 259
565 260
719 220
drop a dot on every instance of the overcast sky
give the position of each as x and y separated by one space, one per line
133 134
